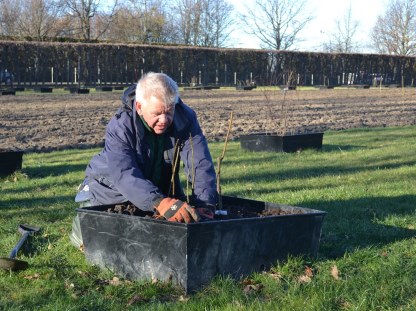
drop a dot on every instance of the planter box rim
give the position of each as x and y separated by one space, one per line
279 135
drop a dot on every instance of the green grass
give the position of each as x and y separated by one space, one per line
365 179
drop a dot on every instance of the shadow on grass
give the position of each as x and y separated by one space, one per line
48 208
360 223
52 170
310 172
332 148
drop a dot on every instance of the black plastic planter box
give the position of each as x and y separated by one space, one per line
43 89
244 87
278 143
10 161
76 90
8 92
104 88
192 254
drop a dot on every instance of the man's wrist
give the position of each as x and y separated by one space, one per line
157 201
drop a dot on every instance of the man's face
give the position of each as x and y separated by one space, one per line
156 114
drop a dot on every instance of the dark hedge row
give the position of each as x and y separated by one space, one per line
91 64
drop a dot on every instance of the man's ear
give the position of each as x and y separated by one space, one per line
138 107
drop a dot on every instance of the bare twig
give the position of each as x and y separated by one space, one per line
285 107
220 160
174 167
279 114
191 175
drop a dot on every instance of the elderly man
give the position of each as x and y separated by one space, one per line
140 161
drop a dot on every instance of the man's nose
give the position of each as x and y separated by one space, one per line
163 118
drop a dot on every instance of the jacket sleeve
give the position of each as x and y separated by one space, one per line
124 162
198 162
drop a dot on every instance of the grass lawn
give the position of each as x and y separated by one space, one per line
365 179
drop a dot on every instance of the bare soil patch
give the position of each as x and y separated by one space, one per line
45 122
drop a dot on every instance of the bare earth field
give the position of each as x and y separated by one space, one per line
44 122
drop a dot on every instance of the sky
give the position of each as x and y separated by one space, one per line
325 13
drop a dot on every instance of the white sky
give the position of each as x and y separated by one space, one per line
325 13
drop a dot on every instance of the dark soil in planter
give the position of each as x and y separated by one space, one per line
233 212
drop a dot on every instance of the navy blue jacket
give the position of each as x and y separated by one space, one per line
116 174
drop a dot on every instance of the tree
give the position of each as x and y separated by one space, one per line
395 31
203 22
141 21
276 23
188 18
38 19
9 14
342 40
216 23
83 12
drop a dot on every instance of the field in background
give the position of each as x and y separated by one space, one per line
33 121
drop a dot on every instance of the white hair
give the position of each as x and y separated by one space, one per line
159 85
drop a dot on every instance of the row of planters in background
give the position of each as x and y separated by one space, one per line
371 80
72 90
41 63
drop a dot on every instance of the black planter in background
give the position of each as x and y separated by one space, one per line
10 161
281 143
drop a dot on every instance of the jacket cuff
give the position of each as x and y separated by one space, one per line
157 201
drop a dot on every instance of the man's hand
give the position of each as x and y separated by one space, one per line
177 211
205 210
205 213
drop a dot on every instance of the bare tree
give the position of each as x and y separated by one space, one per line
38 19
83 13
216 23
276 23
9 14
188 20
142 21
203 22
342 40
395 31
